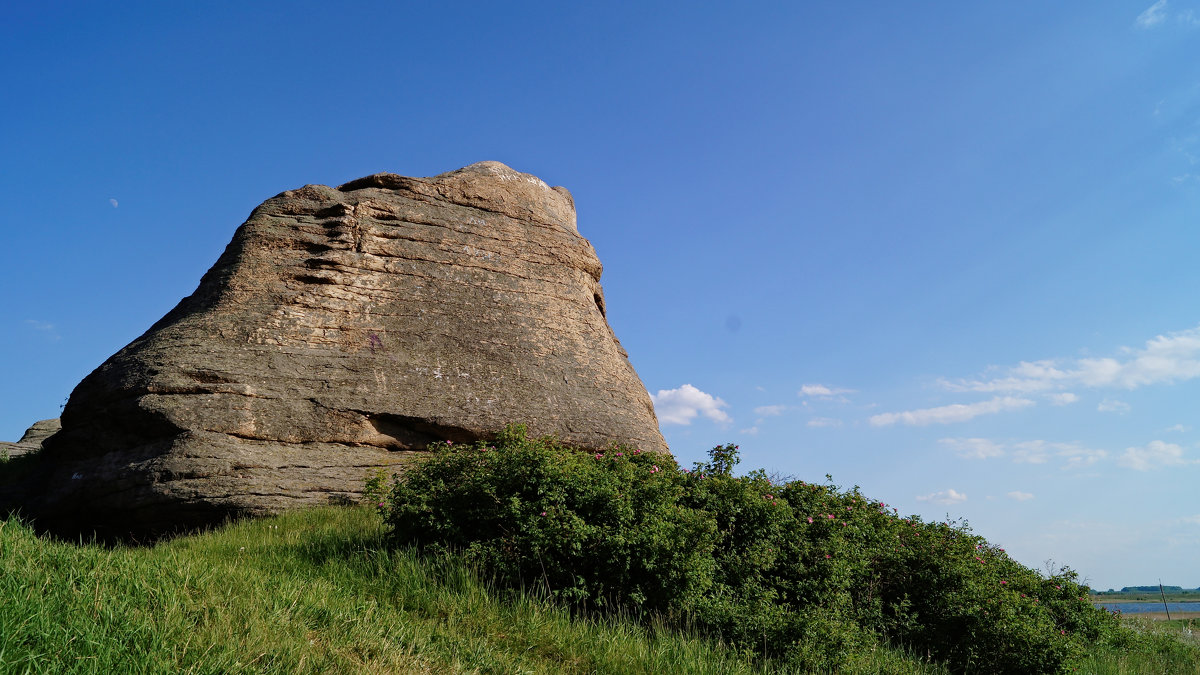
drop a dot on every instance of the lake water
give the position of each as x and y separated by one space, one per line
1136 607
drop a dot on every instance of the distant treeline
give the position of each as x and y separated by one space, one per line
1169 590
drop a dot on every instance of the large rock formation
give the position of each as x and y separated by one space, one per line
345 329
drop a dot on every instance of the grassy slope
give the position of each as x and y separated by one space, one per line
311 592
314 592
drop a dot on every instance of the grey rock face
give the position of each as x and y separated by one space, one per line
342 330
31 441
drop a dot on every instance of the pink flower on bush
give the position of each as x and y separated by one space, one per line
810 519
827 556
543 513
1003 582
655 469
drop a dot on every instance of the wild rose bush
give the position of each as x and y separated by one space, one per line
802 572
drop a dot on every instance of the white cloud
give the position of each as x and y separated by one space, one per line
948 414
1020 496
1073 455
44 328
1179 427
1185 146
824 422
1065 398
1113 405
1157 13
1154 455
973 448
1032 452
1164 359
1153 15
1025 377
948 496
1193 520
751 431
1078 457
822 391
770 410
682 405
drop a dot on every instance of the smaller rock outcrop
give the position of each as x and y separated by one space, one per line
32 440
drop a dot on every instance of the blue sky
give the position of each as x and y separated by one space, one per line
941 251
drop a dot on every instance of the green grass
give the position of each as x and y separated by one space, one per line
1173 647
308 592
318 592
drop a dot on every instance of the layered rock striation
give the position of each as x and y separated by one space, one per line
31 440
345 329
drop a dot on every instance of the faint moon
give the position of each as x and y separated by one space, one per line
113 202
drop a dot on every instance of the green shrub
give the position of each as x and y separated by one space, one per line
597 528
806 573
377 488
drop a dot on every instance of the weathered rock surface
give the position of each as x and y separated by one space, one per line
31 441
345 329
